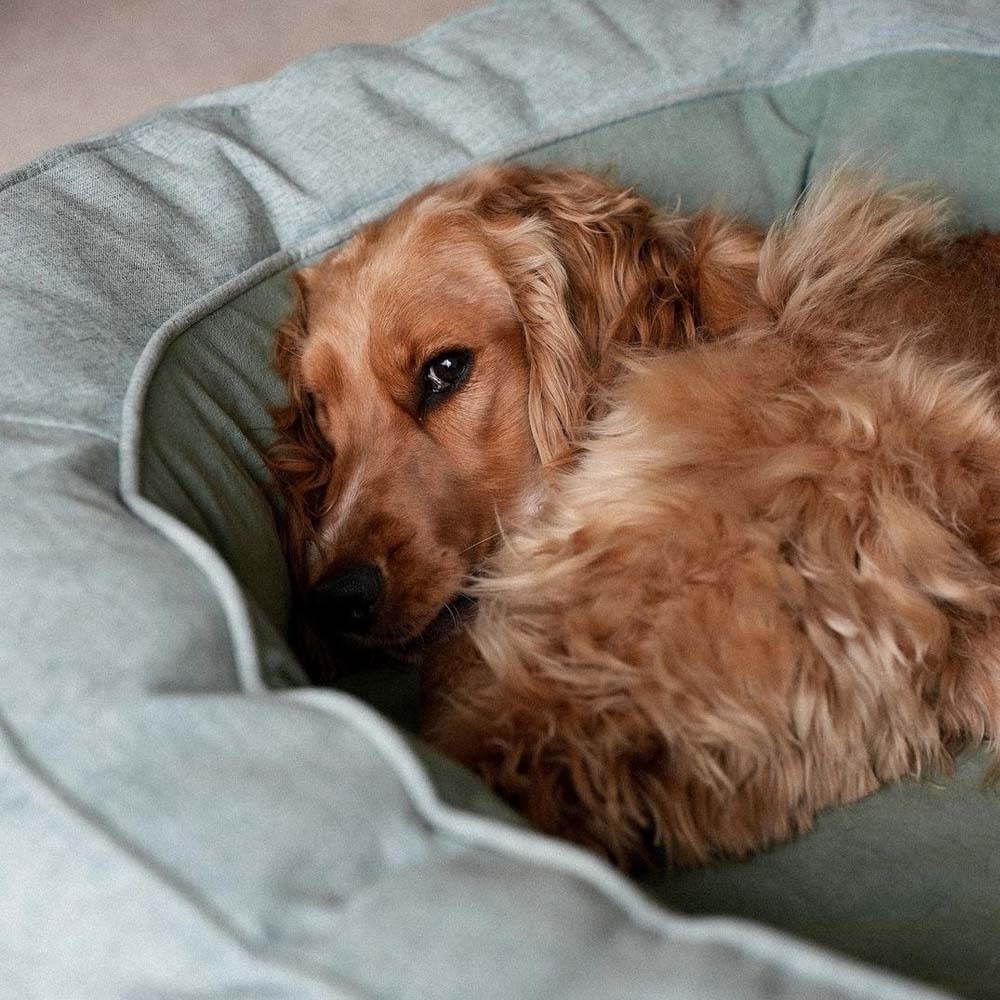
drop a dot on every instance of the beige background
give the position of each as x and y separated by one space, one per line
69 68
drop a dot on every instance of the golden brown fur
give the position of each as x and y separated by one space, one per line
750 491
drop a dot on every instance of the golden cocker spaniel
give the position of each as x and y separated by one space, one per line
696 528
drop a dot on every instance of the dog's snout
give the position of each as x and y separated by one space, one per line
347 601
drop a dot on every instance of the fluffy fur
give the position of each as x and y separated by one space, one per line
749 485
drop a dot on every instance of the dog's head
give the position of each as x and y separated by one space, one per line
446 356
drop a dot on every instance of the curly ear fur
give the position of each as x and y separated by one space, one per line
593 268
300 460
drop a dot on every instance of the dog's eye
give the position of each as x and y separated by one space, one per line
445 372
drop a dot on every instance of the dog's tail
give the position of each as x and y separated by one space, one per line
846 239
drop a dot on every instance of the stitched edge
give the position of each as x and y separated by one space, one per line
791 957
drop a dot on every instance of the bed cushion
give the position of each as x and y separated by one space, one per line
178 815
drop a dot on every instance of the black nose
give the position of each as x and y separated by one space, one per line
346 601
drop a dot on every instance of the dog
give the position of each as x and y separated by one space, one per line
695 527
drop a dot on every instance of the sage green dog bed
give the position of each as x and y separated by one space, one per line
179 814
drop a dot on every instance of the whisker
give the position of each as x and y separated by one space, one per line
481 541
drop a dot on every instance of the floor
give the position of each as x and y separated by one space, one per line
68 70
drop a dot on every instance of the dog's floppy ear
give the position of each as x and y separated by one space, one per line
560 365
300 459
591 266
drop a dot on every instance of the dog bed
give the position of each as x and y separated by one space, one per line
179 814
